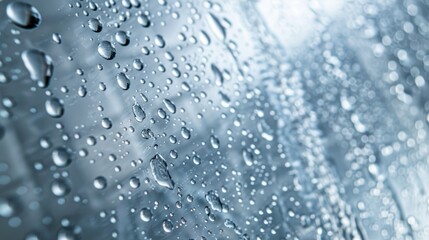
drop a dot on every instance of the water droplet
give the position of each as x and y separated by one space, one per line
23 15
147 133
39 65
138 112
265 130
106 123
67 233
106 50
122 38
214 201
161 113
95 25
204 38
160 172
159 41
134 182
186 134
214 141
56 37
54 107
217 75
123 81
167 225
137 64
100 183
7 208
60 188
225 100
146 214
143 20
61 157
216 27
82 91
247 157
170 106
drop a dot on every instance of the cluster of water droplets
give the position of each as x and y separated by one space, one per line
185 119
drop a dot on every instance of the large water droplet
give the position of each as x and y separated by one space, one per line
106 50
143 20
23 15
54 107
39 65
167 226
60 187
61 157
216 27
95 25
214 201
217 75
134 182
159 41
169 105
138 112
146 214
122 38
160 172
7 208
123 81
106 123
186 134
204 38
100 183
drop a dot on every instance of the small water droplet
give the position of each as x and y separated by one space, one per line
54 107
162 114
247 157
60 187
106 123
134 182
56 37
100 183
61 157
214 141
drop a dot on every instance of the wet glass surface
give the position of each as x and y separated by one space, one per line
135 119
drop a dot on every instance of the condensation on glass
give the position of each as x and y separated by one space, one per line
168 119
